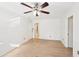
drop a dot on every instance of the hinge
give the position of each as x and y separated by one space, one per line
68 34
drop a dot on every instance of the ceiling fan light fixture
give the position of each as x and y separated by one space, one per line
35 13
37 9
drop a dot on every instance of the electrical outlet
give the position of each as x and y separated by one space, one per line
24 38
62 38
50 36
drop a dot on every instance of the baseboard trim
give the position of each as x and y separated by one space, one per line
62 42
48 39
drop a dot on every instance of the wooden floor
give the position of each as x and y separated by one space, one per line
41 48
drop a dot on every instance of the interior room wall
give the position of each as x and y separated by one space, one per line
75 12
51 29
13 31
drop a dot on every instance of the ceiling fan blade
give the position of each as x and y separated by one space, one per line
44 12
27 12
26 5
44 5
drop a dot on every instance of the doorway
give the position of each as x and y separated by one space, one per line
70 32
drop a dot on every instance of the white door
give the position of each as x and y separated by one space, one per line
70 31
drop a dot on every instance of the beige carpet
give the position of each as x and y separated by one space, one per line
41 48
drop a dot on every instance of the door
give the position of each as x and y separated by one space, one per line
70 31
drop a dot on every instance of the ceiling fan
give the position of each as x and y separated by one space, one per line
37 8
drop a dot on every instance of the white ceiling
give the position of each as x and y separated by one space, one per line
56 9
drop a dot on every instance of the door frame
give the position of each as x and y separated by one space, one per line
68 31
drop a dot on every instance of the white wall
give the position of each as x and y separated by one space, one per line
76 30
75 12
13 30
51 29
